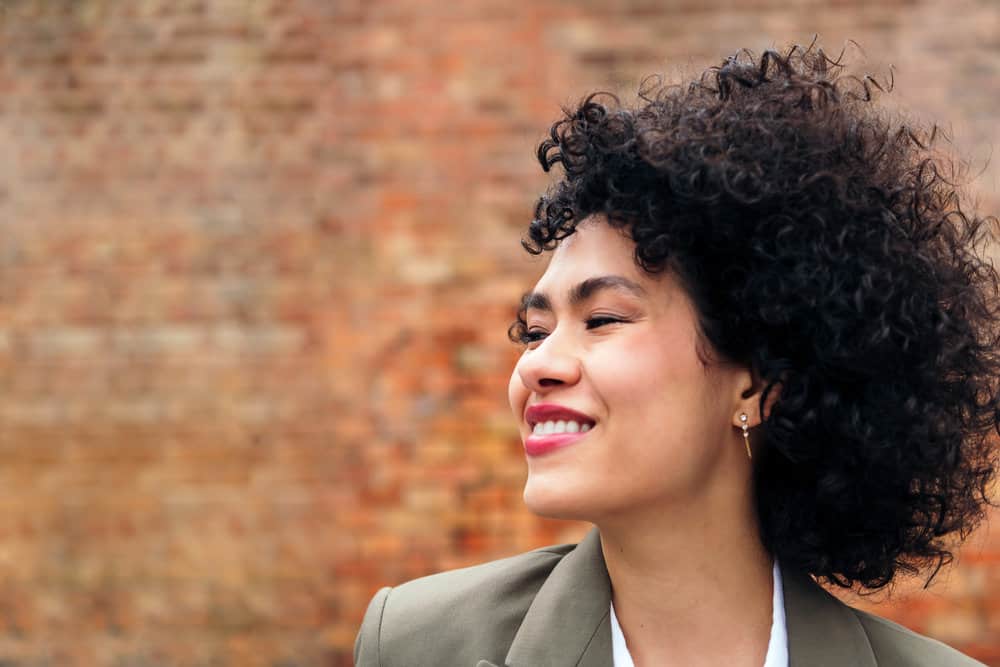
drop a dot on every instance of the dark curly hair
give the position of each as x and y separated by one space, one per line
825 246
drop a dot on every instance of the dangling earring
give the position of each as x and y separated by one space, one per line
746 433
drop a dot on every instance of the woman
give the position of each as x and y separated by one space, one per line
764 350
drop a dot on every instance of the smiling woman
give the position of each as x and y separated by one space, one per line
764 353
620 348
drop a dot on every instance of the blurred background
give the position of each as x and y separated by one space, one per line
257 262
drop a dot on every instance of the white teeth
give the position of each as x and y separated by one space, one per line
544 428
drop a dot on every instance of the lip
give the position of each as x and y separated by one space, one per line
539 444
543 412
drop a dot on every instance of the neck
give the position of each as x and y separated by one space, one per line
691 589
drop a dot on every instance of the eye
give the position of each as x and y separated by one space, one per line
527 336
518 332
532 336
600 321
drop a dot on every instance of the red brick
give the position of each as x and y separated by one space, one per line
259 260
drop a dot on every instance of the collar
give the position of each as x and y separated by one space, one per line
568 622
822 630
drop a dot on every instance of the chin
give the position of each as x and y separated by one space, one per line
557 501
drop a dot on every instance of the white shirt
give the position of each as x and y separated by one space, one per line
777 645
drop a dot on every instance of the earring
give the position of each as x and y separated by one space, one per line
746 433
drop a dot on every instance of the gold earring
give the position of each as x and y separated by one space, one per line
746 433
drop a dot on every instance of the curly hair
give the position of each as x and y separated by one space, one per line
824 244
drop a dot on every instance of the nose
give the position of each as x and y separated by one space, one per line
554 362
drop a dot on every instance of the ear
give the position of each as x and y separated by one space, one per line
750 388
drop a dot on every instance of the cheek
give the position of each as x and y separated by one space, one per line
517 394
659 385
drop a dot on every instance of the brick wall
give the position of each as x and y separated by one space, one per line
257 263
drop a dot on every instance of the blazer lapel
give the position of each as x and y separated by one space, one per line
568 623
822 630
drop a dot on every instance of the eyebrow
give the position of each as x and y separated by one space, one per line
583 291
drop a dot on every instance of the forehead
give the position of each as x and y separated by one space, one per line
595 248
597 259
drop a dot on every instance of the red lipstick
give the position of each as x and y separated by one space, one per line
537 444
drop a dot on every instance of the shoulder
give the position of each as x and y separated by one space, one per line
467 614
823 629
897 646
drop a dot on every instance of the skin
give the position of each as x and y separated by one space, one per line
664 472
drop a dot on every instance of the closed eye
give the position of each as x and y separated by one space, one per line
531 336
595 322
534 335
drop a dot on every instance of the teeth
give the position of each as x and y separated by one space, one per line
544 428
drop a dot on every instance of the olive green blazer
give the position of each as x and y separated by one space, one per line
550 608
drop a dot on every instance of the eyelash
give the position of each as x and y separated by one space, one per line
526 336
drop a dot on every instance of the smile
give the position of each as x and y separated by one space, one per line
560 426
543 441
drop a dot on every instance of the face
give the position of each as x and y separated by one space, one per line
617 349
